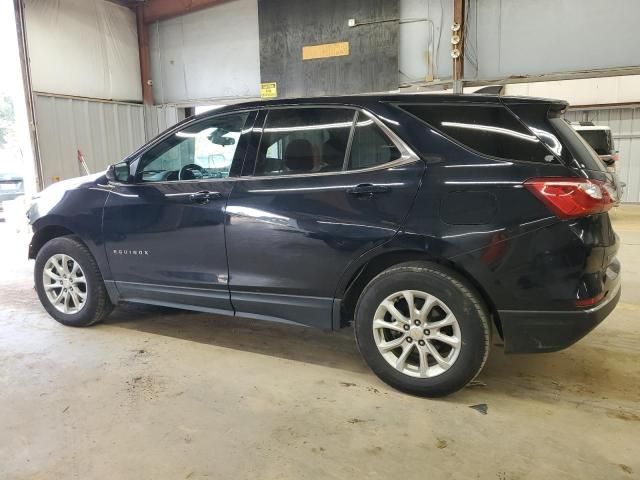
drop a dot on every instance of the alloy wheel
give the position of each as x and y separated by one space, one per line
65 283
417 333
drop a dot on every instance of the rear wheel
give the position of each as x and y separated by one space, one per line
422 329
69 283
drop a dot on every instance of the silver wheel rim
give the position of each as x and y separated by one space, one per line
417 334
64 283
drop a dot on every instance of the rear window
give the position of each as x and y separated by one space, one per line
600 140
490 130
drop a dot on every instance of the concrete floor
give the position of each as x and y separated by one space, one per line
164 394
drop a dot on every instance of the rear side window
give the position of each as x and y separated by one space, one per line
370 146
490 130
304 140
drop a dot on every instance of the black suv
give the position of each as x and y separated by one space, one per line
425 220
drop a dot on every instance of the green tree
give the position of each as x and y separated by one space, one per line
7 118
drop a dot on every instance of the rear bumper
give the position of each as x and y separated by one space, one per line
550 331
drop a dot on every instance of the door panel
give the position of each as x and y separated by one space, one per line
156 235
301 218
164 234
290 239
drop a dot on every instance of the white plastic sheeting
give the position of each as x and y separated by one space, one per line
585 91
424 43
158 118
625 129
105 132
522 37
211 53
84 48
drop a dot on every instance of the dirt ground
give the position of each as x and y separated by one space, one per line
164 394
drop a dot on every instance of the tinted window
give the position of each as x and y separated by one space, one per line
491 130
203 150
370 145
536 117
304 140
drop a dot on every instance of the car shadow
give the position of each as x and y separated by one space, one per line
303 344
583 374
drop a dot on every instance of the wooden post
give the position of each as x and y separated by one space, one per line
145 61
458 63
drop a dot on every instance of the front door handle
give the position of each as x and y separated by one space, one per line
204 197
368 190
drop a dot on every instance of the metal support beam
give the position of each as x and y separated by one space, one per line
145 60
154 10
458 63
18 7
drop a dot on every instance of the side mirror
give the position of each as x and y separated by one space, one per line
119 173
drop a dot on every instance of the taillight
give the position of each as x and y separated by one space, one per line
589 302
572 197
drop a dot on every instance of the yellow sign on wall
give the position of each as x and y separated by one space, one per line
326 50
268 90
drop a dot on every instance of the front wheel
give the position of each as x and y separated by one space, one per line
69 283
422 329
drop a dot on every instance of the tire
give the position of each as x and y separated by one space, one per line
63 253
451 299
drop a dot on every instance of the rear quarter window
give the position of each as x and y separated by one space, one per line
489 130
370 146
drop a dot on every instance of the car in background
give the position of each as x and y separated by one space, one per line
600 139
11 185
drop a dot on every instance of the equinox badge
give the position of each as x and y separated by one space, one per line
130 252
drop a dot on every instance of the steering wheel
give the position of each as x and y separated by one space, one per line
189 168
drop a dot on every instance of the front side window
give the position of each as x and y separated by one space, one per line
201 151
490 130
304 140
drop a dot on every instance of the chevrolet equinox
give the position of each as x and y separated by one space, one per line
426 221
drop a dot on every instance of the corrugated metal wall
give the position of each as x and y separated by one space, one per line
625 128
104 131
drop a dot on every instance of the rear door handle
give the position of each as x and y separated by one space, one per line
368 189
204 197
